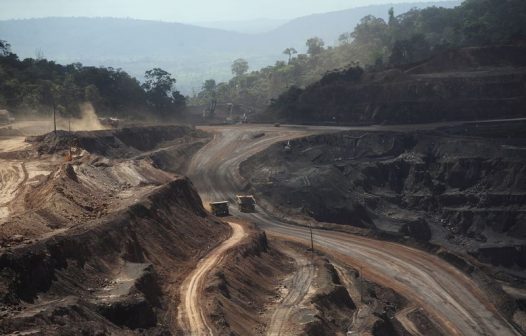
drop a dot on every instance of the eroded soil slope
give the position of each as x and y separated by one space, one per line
44 193
99 244
243 285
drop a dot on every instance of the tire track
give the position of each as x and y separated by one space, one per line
299 286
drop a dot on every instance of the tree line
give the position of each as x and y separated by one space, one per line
374 43
35 87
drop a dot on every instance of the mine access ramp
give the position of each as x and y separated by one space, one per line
220 208
246 203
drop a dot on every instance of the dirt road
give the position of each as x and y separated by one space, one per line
449 297
12 176
191 315
11 144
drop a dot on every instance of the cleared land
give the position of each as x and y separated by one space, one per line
448 296
114 242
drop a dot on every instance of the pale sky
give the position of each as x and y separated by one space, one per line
179 10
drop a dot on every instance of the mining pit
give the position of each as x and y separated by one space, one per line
462 187
100 232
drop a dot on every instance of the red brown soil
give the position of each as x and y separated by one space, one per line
244 285
450 298
99 245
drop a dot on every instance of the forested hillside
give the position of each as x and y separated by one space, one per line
34 87
191 53
376 44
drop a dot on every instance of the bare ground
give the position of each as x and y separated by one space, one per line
124 235
97 244
191 313
447 296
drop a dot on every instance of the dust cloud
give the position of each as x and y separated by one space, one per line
88 120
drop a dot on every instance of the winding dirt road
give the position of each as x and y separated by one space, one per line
191 316
448 296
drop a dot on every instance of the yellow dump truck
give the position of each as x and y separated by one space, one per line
246 203
220 208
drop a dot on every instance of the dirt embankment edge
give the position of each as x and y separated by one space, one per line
83 268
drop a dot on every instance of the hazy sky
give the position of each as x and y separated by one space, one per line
178 10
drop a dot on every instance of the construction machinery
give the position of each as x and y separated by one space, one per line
246 203
109 122
220 208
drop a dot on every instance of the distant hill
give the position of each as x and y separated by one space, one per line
191 53
330 25
255 26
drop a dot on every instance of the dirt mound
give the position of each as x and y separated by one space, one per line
103 173
120 143
465 192
78 193
116 273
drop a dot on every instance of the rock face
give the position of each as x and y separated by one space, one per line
465 84
464 187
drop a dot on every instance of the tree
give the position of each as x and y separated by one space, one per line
412 50
209 92
41 85
50 95
160 92
392 18
345 38
158 80
178 101
371 31
5 48
71 95
92 95
239 67
314 46
209 86
290 52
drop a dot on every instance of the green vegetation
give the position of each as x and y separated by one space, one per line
37 86
160 93
193 53
377 43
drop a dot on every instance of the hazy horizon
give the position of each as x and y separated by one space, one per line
184 11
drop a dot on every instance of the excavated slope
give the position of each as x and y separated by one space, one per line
463 84
113 275
99 244
463 187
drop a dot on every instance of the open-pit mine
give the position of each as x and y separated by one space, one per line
373 230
